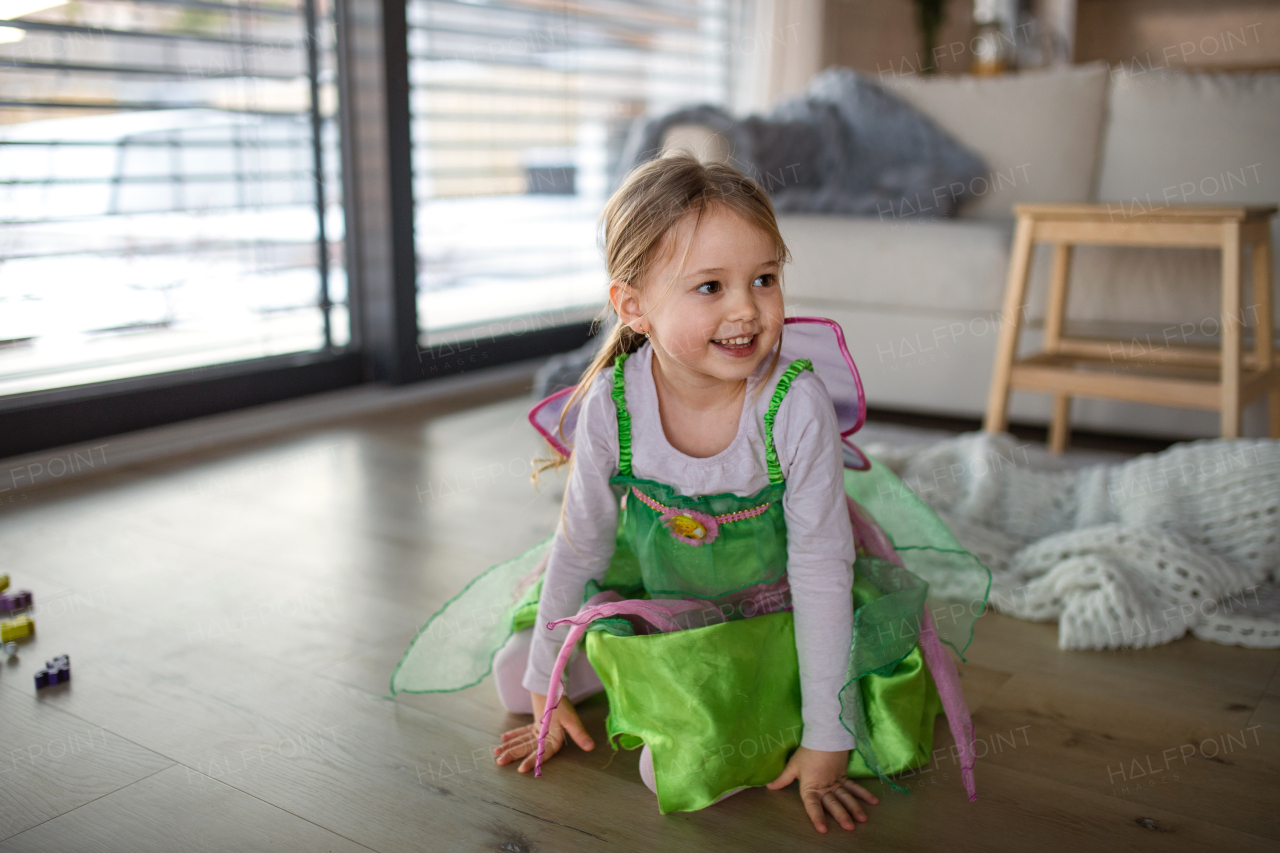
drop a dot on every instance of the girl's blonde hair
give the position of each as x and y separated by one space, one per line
651 201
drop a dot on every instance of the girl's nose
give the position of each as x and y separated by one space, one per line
742 305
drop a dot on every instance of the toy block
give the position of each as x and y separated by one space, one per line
4 582
56 671
15 601
16 629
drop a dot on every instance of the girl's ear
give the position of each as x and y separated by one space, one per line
627 305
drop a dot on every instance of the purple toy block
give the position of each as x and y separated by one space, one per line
15 601
56 671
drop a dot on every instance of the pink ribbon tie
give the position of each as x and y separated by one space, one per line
658 613
947 680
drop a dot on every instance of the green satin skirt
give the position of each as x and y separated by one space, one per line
719 707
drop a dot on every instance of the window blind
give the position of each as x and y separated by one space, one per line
169 192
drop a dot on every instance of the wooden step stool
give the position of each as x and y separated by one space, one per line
1197 377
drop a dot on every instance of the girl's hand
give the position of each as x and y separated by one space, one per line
523 742
824 787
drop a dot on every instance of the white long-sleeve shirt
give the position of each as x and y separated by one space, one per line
820 548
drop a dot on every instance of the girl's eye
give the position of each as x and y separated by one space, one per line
764 280
709 287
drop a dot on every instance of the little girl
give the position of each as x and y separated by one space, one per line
708 540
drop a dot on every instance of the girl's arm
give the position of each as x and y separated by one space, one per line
584 541
580 550
820 555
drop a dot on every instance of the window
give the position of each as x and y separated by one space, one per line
169 190
519 112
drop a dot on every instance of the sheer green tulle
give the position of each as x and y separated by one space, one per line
886 630
455 648
958 583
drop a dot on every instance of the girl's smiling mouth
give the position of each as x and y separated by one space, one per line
738 347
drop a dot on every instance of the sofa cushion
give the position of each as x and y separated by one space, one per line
1038 131
1192 139
918 264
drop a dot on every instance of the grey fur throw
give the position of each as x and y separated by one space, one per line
846 146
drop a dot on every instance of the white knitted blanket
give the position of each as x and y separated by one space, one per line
1126 555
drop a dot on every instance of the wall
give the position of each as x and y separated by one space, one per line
880 37
1237 34
779 52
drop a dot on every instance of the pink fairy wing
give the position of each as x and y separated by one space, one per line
545 417
822 342
816 338
854 457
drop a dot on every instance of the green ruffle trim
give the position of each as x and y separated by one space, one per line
624 417
784 384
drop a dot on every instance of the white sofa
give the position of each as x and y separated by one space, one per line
920 298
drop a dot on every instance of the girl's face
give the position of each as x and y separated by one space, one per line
722 315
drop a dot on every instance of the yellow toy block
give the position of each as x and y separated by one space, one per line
4 582
16 629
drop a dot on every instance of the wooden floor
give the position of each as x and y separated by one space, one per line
233 619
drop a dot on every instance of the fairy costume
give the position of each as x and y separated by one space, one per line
691 627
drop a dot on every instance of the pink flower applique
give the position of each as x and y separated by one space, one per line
690 526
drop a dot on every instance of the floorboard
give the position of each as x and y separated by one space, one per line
177 810
54 762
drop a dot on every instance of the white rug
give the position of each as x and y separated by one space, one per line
1124 553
